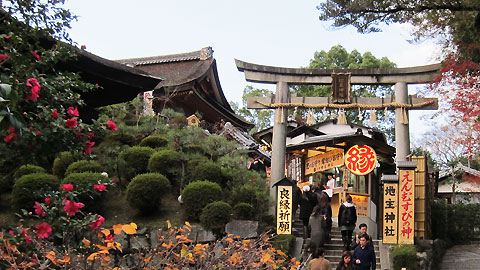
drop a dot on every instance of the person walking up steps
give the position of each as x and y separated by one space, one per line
347 217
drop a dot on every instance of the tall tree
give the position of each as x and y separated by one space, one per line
455 24
339 57
262 118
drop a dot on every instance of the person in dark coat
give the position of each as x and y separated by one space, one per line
307 202
362 230
326 211
317 224
347 223
364 255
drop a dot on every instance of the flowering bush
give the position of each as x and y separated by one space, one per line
26 189
89 187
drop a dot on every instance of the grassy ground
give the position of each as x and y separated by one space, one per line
116 210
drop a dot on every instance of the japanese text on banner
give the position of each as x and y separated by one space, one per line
390 210
406 208
284 210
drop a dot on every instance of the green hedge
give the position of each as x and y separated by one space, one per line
404 256
28 169
61 163
145 191
168 163
154 141
243 211
197 195
455 223
283 242
215 216
83 166
249 193
136 161
208 171
27 188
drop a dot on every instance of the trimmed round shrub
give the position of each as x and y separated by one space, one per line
215 216
243 211
28 169
61 164
154 141
197 195
145 191
166 162
83 166
136 160
249 193
27 189
83 183
404 256
208 171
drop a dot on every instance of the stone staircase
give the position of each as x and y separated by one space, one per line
334 248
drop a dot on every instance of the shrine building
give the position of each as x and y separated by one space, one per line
317 150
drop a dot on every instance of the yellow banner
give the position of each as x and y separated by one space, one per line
322 162
390 211
284 210
406 206
361 205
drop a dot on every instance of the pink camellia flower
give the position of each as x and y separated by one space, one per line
11 232
3 57
28 239
88 147
91 134
71 123
11 130
35 89
10 138
39 210
72 111
71 208
97 223
35 55
67 187
48 200
54 114
43 230
100 187
8 37
111 125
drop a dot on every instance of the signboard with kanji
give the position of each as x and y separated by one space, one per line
284 210
406 206
390 210
360 160
295 168
361 205
322 162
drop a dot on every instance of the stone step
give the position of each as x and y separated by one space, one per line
339 252
336 258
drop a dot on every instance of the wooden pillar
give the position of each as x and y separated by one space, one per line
402 135
279 139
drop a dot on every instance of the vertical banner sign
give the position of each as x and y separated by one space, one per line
284 210
406 208
294 168
390 210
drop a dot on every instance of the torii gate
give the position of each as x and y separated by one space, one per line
283 77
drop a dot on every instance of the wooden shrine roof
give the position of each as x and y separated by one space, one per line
191 84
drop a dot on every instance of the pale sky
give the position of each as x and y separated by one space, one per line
277 33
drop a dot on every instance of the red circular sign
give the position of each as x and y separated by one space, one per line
360 160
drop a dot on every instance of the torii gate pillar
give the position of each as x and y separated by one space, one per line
402 135
279 139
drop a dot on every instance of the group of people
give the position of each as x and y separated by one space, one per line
363 257
316 215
